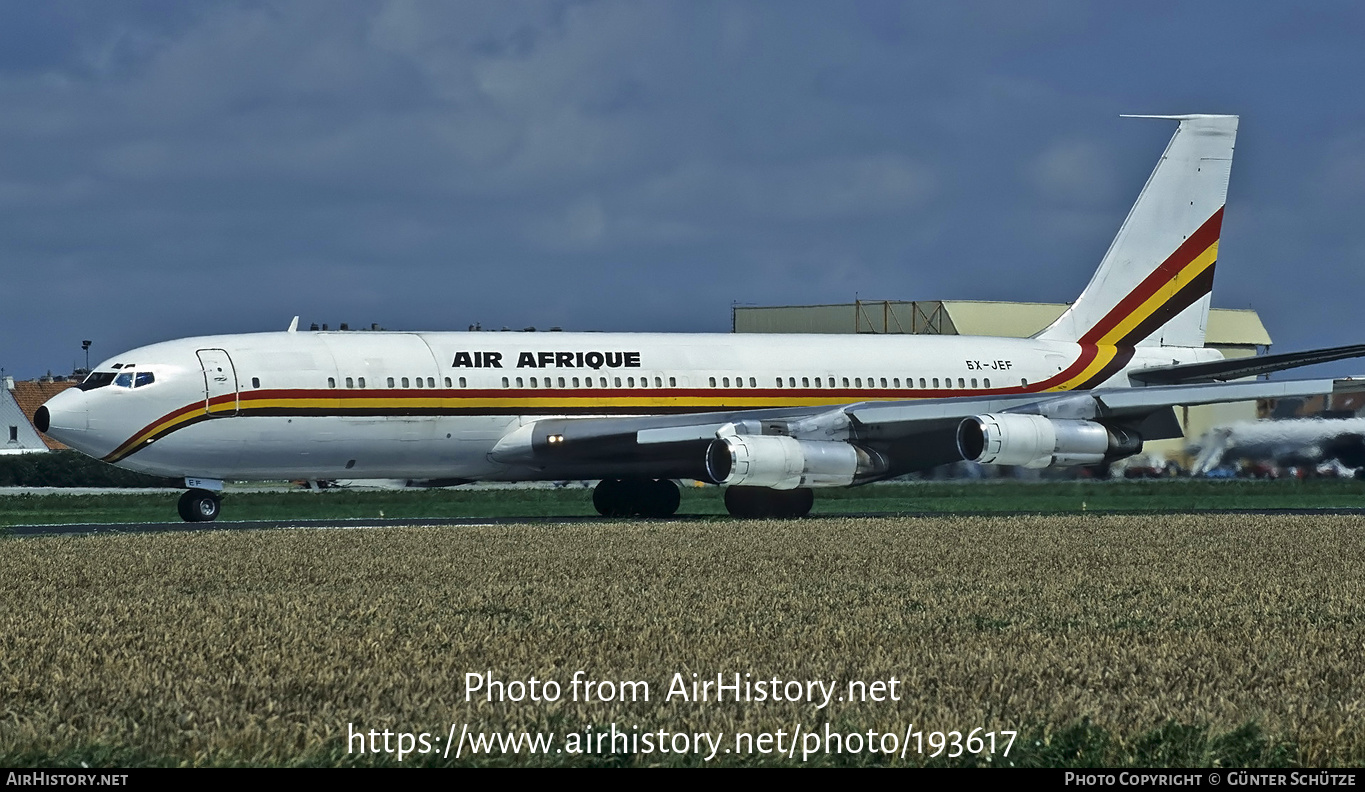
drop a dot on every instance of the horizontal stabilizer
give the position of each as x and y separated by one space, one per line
1236 368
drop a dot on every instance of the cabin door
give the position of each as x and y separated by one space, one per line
220 383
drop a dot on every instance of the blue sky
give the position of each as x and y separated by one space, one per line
175 169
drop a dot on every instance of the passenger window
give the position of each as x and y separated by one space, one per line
331 382
520 383
146 378
844 382
462 382
617 380
362 382
561 382
602 381
805 382
448 382
935 382
779 382
672 382
753 383
791 382
857 382
504 382
883 382
988 382
961 383
575 382
630 381
390 382
921 382
817 382
658 382
533 382
973 382
726 382
419 382
644 382
713 382
431 382
350 382
896 383
1023 382
405 382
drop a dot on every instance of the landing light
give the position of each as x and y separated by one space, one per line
555 439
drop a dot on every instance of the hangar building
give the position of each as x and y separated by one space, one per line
1237 333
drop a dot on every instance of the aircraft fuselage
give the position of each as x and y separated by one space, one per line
357 404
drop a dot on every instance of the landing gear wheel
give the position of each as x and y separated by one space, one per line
636 498
663 499
199 505
760 502
606 498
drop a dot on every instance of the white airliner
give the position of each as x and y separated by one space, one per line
772 417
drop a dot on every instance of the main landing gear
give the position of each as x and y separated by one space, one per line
757 502
199 505
636 498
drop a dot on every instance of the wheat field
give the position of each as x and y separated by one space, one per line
1099 639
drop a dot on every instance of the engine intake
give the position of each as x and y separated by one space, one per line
784 463
1033 441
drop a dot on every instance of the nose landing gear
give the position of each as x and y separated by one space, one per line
199 505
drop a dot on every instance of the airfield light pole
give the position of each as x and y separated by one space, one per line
86 346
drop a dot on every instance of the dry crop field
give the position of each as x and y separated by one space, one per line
1190 640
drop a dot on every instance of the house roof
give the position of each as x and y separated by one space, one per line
30 395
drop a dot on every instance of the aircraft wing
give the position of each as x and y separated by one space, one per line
902 435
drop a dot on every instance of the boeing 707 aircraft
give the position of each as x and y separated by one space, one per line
771 417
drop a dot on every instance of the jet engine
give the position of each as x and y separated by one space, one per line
1034 441
784 463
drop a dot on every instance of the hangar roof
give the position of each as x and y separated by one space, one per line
1227 327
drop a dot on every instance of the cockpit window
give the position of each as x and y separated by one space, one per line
97 379
124 380
143 378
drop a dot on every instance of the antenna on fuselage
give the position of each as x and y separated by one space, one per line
293 326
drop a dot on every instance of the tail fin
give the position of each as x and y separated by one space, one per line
1154 283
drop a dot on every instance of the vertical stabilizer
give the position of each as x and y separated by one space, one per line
1153 286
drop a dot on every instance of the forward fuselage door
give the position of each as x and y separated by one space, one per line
220 383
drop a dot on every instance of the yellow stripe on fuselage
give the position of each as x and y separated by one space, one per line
1103 355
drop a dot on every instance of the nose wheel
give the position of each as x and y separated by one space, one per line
199 506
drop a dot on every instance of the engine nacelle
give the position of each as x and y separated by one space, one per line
1037 442
784 463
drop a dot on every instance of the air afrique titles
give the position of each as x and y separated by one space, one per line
592 360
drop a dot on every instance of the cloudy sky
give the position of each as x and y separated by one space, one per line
173 169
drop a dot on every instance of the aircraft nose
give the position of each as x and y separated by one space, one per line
62 415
